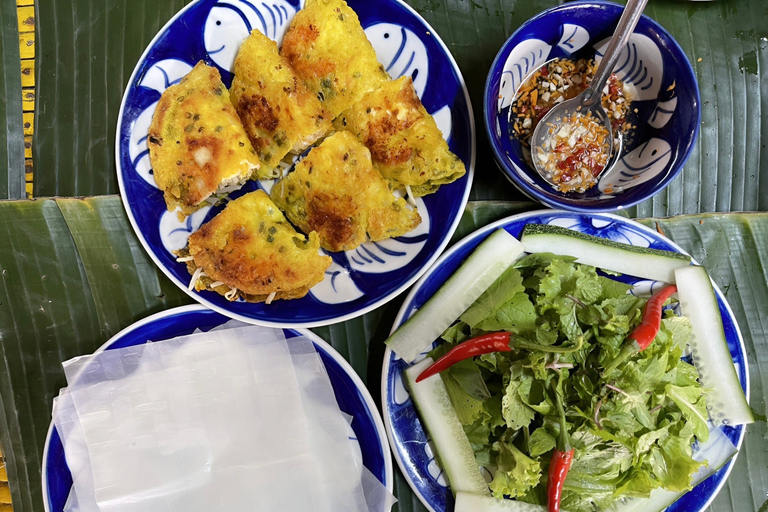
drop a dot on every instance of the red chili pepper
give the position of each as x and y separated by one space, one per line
485 344
644 334
560 463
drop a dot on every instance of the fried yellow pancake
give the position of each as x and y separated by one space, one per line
249 250
406 145
197 145
279 113
336 192
328 49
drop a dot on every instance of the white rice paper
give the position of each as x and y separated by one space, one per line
348 484
180 425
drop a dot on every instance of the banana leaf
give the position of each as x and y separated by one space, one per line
88 49
11 121
72 274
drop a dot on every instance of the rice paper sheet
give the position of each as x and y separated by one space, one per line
180 425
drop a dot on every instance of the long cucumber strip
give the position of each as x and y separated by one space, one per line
602 253
717 451
454 452
466 502
725 398
473 277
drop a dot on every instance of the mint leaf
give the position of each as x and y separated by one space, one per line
569 325
518 315
500 292
541 442
588 286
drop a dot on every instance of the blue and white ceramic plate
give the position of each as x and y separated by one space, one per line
666 98
409 441
351 394
359 280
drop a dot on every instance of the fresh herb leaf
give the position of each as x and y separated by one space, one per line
500 292
516 473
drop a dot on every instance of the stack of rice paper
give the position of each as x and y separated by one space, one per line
236 419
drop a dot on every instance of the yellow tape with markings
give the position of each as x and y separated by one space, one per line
25 10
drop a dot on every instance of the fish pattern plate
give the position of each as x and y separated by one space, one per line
410 443
358 280
367 430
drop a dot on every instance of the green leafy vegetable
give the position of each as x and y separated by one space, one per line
516 473
632 429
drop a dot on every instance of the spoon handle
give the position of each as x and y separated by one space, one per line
624 29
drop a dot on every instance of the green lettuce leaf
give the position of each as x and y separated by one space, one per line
672 463
690 401
516 473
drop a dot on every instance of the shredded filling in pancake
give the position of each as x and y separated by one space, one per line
197 145
250 251
279 113
336 192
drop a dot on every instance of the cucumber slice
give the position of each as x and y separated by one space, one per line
717 451
473 277
454 452
466 502
606 254
725 398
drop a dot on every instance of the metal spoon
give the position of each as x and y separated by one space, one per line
590 100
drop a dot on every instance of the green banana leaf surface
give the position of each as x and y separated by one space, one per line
72 274
87 51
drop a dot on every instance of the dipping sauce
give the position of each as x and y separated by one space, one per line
560 80
575 152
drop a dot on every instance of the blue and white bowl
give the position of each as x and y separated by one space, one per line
410 443
668 103
357 281
351 394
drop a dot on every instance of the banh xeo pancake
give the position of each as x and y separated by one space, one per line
279 113
197 145
250 250
328 49
405 143
336 192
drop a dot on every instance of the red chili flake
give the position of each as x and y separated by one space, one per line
544 71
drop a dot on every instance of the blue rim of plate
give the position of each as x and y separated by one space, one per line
407 437
525 178
144 205
352 395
